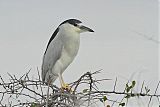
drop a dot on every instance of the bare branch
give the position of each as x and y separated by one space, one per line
90 94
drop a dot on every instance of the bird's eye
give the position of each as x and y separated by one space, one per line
75 24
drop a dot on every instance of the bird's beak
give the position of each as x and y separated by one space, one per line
84 28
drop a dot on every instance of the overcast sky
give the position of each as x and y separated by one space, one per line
115 46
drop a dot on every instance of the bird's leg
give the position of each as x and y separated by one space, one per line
64 86
61 80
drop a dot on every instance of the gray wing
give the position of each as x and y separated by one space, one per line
52 54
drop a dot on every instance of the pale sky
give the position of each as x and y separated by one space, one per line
27 25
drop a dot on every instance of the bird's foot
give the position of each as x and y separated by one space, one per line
66 87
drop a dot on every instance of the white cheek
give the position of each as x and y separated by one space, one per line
70 28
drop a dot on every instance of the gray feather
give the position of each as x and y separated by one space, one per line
51 55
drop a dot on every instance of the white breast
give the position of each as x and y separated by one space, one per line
71 41
71 46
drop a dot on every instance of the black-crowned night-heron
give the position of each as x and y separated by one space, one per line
61 50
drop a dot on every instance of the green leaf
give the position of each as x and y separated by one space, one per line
148 90
127 85
127 96
122 104
128 89
108 106
133 83
104 98
101 100
85 90
132 95
33 105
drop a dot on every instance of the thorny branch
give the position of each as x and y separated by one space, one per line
23 92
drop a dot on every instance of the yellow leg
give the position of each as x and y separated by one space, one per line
64 86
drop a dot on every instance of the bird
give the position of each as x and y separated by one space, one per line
61 50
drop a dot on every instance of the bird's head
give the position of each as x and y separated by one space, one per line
75 26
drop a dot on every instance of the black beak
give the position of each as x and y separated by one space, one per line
86 28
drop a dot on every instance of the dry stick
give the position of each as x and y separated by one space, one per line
142 87
2 98
147 37
158 100
115 85
48 92
27 95
90 87
3 83
78 82
33 87
40 83
32 90
96 72
47 96
114 88
154 93
124 93
24 74
20 83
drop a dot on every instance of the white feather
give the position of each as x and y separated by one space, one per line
61 52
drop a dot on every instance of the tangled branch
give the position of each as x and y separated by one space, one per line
24 91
